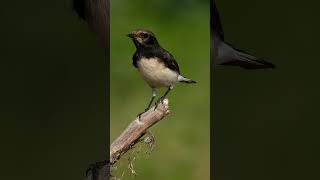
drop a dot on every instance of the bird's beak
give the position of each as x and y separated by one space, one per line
130 35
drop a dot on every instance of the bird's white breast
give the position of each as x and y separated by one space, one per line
156 74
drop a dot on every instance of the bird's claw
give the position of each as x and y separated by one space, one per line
139 115
157 103
155 107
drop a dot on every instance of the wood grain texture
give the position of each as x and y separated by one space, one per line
136 129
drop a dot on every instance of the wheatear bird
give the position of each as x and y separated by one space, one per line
156 65
224 54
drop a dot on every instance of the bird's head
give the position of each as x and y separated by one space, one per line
143 39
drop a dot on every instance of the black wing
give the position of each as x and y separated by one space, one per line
96 14
168 60
215 21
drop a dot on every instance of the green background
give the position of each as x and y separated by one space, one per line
266 122
182 149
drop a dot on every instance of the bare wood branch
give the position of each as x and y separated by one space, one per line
136 129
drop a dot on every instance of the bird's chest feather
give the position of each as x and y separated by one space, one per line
156 73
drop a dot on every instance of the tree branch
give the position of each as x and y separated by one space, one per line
129 137
136 129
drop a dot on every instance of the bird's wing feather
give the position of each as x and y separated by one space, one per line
169 60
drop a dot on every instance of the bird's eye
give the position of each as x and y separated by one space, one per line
144 35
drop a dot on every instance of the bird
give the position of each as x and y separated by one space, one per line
223 53
155 64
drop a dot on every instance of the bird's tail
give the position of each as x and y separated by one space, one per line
185 80
236 57
250 62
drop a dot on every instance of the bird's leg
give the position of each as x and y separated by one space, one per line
162 97
153 96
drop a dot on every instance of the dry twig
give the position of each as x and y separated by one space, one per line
136 129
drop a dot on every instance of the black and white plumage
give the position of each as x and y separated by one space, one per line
155 64
224 54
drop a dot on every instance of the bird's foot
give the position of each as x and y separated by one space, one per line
160 100
139 115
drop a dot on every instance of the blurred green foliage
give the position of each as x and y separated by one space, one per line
183 138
